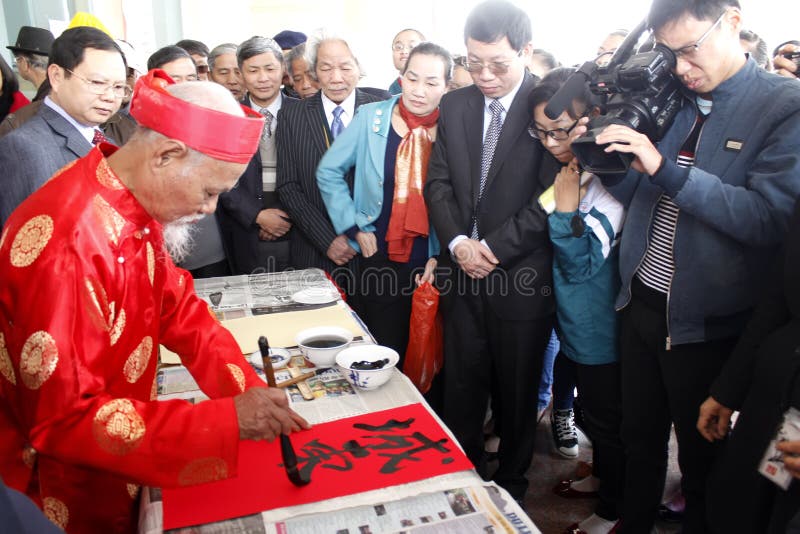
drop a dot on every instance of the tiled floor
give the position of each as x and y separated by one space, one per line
553 514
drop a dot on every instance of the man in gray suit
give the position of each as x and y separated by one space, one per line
87 73
306 128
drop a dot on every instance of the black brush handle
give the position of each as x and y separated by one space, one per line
290 462
269 372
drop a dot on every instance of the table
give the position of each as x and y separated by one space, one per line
475 504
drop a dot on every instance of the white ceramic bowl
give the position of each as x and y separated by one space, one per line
367 379
323 356
278 356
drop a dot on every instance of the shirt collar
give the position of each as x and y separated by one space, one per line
86 131
272 108
507 100
348 105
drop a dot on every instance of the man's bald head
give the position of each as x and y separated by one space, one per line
171 180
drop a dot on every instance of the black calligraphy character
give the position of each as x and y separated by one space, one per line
391 424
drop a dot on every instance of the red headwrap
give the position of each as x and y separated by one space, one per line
213 133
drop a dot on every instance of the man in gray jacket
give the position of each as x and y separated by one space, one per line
707 209
87 74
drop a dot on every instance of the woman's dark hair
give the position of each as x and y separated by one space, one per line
663 12
432 49
551 83
165 55
68 49
490 21
9 86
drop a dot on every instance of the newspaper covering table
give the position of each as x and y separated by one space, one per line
232 297
457 502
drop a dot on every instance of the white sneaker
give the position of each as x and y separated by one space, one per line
565 436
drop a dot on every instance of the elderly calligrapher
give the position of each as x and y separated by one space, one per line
88 292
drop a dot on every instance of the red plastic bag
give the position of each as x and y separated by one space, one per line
425 353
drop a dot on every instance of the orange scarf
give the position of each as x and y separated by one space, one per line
409 218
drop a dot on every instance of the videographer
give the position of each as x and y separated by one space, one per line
784 65
707 209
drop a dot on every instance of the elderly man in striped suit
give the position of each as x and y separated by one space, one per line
306 129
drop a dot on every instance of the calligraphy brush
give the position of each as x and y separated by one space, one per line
287 451
300 378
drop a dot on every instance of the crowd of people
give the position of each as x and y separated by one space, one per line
667 296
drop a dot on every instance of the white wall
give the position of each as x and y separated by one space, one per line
572 29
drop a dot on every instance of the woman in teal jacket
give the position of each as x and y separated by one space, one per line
388 144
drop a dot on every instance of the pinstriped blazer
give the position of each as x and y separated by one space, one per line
302 137
32 153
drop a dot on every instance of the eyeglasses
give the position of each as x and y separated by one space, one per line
495 67
689 50
399 47
559 134
98 87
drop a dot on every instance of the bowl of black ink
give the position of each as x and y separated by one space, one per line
367 366
321 344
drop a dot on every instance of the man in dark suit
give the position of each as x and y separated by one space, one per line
87 73
481 192
253 221
306 129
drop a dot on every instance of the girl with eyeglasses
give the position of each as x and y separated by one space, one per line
584 222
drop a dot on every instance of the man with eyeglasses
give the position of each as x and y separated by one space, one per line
402 44
87 74
707 210
481 192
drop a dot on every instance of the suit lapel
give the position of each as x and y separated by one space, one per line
515 124
318 127
473 133
361 98
74 141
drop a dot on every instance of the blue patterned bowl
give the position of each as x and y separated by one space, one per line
367 379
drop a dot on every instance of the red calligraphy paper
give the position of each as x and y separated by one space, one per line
342 457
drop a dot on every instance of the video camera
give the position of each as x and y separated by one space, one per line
640 92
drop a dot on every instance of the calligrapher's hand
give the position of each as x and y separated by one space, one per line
620 138
714 419
264 413
340 251
474 258
791 456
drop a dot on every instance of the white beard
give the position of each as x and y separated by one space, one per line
179 237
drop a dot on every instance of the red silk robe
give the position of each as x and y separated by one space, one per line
87 294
